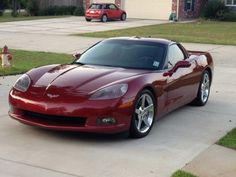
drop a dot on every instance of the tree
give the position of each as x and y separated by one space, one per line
17 5
32 7
3 6
14 8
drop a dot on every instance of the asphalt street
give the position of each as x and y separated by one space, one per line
174 141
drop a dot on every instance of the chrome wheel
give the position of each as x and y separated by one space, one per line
205 87
144 113
203 90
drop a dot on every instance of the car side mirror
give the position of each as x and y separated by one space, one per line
179 64
182 64
76 56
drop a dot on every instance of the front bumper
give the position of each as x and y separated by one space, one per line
71 115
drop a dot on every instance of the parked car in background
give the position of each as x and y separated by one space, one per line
104 12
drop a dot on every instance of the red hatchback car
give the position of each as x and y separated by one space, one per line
104 12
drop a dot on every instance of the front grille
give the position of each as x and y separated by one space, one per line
54 119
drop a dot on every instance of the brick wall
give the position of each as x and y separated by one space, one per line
118 3
86 4
174 5
185 15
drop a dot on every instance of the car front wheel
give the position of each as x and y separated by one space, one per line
143 115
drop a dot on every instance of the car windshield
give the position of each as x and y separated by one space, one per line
125 53
97 6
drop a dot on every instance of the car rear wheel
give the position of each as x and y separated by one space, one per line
123 17
88 19
143 115
104 18
203 90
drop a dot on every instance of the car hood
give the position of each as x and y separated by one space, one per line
81 79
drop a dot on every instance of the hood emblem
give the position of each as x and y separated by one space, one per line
52 95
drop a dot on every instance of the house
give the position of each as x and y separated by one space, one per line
231 4
158 9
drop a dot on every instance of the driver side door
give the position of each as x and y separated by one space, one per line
180 78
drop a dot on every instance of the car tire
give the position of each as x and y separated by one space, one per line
203 90
123 17
88 19
104 18
143 119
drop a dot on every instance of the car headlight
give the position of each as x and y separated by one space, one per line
23 83
110 92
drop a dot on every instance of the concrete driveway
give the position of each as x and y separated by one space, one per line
174 141
71 25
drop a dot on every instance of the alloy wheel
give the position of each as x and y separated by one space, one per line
205 87
144 113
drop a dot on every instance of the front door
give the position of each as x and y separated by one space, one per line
181 84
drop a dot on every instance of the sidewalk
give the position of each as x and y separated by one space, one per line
216 161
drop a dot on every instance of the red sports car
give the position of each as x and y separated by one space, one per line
104 12
119 84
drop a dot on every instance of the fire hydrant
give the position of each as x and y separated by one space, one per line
6 57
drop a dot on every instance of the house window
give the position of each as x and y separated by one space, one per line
230 2
189 5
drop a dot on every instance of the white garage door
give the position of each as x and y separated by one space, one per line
148 9
106 1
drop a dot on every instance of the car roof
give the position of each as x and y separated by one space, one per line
102 3
145 39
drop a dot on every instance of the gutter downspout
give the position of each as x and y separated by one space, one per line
177 11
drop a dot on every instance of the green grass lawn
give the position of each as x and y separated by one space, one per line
25 60
181 173
212 32
22 17
229 140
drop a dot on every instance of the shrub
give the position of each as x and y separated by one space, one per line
229 16
215 9
1 12
79 11
58 10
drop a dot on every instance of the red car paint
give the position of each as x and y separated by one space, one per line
97 13
59 95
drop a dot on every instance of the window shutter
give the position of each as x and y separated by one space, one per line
185 5
193 5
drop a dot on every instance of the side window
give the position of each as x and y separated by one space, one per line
104 6
189 5
175 54
113 7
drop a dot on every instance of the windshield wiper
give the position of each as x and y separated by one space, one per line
78 63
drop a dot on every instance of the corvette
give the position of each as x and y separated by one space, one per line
119 84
